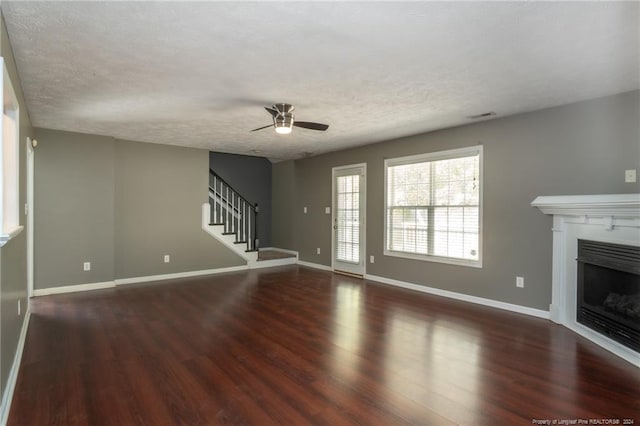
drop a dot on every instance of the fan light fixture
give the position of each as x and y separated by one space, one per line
283 122
283 128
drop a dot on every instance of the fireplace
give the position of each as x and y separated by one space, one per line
608 284
614 218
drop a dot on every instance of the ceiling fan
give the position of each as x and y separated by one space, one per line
283 120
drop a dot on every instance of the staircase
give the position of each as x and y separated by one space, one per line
231 219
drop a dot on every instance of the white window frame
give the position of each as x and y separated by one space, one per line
437 156
9 160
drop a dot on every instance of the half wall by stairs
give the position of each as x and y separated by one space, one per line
230 240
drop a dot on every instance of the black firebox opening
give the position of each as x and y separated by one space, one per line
609 290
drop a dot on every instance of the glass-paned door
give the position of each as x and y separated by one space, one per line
348 219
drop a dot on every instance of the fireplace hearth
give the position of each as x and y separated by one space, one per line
608 285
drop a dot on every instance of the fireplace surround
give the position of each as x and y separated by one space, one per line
610 219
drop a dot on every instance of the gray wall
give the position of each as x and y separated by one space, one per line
159 195
283 186
251 177
122 206
13 257
582 148
74 206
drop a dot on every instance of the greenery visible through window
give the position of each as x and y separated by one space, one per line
433 206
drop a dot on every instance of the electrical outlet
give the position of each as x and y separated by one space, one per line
304 209
19 307
371 259
86 266
167 259
327 210
520 282
318 250
630 176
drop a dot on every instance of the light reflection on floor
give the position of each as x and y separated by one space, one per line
422 355
347 334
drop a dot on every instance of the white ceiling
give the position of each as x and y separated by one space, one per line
198 74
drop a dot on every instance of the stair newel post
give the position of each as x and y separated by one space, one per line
247 210
255 234
244 221
250 239
247 230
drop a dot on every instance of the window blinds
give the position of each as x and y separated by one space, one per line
433 207
348 219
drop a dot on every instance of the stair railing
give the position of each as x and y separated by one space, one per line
231 210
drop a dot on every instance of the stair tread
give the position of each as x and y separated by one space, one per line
228 233
249 251
216 223
240 242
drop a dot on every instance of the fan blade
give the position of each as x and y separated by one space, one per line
272 111
263 127
310 125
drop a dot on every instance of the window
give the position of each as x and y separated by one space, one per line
348 220
9 161
434 206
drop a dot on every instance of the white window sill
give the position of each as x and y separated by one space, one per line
7 236
437 259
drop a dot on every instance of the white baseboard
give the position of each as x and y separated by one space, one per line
464 297
315 265
73 288
7 397
162 277
136 280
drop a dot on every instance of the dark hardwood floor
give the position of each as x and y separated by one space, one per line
294 346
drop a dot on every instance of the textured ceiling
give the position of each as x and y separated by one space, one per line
198 74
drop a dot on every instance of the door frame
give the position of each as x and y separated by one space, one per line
363 224
30 213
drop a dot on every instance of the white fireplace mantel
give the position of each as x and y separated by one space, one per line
612 218
617 205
